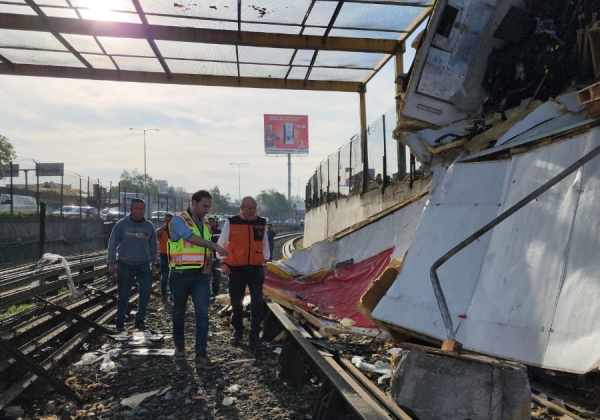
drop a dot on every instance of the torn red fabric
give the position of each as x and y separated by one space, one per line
335 295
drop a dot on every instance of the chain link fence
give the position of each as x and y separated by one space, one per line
351 171
71 195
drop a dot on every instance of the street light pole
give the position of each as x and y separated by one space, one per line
145 173
239 178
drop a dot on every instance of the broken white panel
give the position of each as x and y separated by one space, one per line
555 124
461 201
514 301
575 337
545 112
395 230
308 261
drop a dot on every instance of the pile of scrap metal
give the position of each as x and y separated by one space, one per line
483 67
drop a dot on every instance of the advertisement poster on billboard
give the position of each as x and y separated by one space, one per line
286 134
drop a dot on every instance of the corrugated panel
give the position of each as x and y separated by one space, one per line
265 55
60 3
99 61
275 11
138 64
347 59
60 12
257 70
18 9
274 17
45 58
321 13
28 39
197 50
222 9
118 5
303 57
126 46
202 67
376 16
274 29
298 73
83 43
338 74
191 22
109 16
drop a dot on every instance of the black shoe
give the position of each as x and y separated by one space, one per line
120 327
204 362
236 338
140 325
255 342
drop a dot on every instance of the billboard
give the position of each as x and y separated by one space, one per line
50 169
286 134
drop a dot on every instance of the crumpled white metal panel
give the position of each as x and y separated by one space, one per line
461 201
513 305
575 336
530 290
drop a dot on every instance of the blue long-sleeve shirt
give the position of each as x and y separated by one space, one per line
134 241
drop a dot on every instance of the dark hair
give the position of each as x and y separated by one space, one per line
137 200
200 194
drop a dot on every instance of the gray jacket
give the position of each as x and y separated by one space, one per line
134 241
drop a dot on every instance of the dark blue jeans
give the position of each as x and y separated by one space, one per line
164 274
216 276
183 285
254 277
125 276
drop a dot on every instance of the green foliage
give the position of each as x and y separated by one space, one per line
17 308
221 203
134 182
7 153
273 202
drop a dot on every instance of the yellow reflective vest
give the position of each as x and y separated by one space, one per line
184 255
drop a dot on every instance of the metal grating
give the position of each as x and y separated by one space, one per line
304 44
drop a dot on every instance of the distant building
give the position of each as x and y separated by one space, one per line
163 185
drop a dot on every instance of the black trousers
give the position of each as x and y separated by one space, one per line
252 276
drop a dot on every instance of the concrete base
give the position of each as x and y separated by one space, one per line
434 386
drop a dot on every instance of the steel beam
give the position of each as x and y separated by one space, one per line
181 34
178 79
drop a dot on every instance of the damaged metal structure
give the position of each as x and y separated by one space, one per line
503 104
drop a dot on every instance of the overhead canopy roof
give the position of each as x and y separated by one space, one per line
300 44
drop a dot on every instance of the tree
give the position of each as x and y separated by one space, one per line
221 203
7 154
134 182
274 203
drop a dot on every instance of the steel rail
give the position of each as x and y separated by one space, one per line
338 386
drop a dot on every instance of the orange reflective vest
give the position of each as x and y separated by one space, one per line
184 255
246 241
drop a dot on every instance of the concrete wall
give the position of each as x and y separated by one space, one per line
327 220
20 237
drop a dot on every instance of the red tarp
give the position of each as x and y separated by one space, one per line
336 293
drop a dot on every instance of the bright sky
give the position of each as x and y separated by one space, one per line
85 124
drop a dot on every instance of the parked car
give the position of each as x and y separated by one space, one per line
104 213
74 212
158 214
115 214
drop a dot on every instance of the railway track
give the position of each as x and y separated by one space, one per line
35 341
